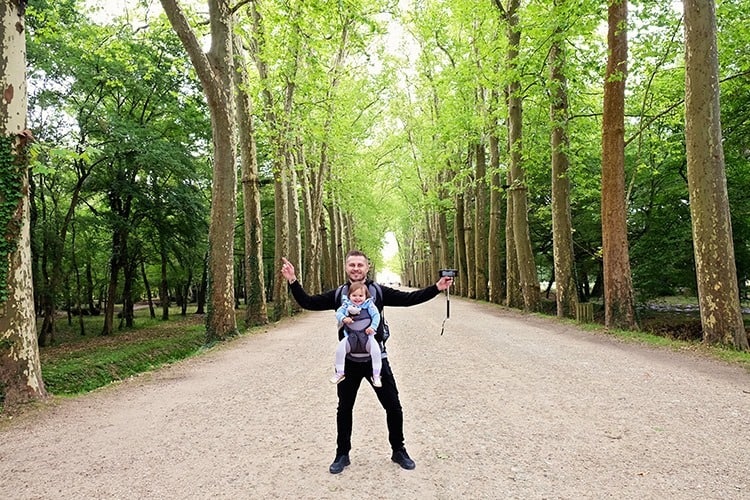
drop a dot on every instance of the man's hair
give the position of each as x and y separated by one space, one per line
356 253
356 286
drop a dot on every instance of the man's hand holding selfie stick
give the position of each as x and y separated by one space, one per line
447 276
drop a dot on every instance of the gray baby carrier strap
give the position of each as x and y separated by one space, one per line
357 336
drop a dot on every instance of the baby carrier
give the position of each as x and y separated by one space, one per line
356 334
361 321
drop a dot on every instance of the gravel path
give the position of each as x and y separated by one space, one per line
501 406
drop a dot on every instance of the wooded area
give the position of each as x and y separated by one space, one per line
584 151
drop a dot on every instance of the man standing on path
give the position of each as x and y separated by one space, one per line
357 267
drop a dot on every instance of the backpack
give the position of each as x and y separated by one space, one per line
377 298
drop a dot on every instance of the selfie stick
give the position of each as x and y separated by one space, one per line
447 308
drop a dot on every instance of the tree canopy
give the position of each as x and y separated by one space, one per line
368 117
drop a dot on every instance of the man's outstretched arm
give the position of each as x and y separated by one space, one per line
399 298
319 302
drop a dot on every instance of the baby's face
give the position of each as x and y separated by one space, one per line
358 296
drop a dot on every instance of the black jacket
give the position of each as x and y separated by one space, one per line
391 297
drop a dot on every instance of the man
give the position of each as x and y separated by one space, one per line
357 267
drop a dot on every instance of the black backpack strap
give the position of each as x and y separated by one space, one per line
337 298
339 293
377 295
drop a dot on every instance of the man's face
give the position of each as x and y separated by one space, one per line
356 268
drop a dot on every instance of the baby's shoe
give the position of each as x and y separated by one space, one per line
376 381
337 378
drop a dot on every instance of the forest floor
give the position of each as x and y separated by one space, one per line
502 405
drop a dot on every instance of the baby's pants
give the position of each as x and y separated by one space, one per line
373 349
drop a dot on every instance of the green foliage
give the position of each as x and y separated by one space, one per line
11 180
734 65
396 129
118 113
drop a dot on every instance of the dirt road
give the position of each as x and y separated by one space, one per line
500 406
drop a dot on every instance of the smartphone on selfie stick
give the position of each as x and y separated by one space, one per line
447 273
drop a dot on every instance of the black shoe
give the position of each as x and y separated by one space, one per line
338 465
402 458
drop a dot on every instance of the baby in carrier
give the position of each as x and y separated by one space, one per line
360 318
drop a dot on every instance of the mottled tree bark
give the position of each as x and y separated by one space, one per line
481 223
524 253
495 252
566 296
20 371
255 283
215 70
718 292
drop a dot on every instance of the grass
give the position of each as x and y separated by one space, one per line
723 353
679 331
78 364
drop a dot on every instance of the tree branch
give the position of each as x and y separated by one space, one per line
186 34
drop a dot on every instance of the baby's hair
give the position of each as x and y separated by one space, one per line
356 286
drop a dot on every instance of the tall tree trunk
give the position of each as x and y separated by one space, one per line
495 250
619 302
120 207
164 298
215 71
459 232
146 285
115 262
334 221
128 300
20 371
326 279
314 177
200 296
53 271
281 243
468 225
294 231
255 284
312 254
186 293
432 240
529 280
513 296
481 224
718 292
278 123
566 295
93 307
445 253
74 263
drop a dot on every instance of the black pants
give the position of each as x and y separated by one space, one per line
387 395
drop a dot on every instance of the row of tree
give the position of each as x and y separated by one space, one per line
492 140
524 120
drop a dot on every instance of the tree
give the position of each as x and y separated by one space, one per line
619 302
495 254
562 231
278 122
20 371
255 288
718 294
518 191
215 71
